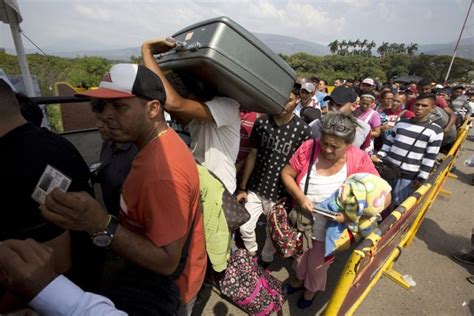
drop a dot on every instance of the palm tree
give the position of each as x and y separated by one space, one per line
370 46
334 46
343 49
412 48
356 46
383 49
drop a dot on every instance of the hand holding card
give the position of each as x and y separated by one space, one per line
50 179
325 212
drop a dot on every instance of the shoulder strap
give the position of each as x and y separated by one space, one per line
311 162
367 119
416 139
185 252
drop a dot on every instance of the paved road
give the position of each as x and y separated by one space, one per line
442 288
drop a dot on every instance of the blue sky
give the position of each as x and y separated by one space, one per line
65 25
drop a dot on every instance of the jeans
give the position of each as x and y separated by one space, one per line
401 191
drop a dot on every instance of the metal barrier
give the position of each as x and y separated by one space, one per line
377 253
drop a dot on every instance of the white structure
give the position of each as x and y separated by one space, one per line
10 14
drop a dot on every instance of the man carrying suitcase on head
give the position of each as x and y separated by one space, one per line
214 122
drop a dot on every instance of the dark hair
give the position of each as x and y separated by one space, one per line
187 86
382 96
309 114
350 80
430 96
424 82
370 92
296 89
30 110
8 99
315 79
325 81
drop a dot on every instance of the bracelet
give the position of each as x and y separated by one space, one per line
240 189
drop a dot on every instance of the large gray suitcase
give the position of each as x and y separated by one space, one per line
222 53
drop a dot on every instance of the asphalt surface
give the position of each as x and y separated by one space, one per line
441 285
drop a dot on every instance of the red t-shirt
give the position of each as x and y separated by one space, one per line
440 101
248 120
161 197
393 116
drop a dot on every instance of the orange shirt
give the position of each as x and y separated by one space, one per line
159 200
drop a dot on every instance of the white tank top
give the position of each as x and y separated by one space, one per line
319 189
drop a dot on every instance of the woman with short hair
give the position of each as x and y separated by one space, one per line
335 160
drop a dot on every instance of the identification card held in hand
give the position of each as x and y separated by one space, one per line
52 178
325 212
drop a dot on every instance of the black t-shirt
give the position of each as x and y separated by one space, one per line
275 145
24 154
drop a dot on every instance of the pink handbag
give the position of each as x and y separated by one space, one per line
249 286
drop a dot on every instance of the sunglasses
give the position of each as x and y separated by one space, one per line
336 127
97 106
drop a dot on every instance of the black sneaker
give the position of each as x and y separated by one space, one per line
464 257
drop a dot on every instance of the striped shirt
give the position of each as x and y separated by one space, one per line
422 155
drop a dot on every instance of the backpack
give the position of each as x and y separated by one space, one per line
287 240
251 287
440 117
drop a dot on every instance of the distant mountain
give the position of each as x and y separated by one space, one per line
290 45
278 43
465 49
123 54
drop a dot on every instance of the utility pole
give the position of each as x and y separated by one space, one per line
457 43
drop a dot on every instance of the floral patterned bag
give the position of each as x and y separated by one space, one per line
287 240
249 286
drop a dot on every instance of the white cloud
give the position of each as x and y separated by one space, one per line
94 12
104 24
355 3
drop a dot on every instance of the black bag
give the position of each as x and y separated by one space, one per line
141 292
235 213
388 171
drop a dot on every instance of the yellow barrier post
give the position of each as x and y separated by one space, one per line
427 194
343 285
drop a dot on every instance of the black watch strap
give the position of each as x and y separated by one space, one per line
112 226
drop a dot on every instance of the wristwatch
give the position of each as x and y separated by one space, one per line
104 238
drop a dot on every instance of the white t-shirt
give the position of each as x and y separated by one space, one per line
314 104
216 144
319 189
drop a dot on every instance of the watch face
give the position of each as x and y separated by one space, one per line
102 240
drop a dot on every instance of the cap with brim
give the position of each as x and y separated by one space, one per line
126 81
103 93
342 95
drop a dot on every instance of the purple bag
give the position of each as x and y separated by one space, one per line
249 286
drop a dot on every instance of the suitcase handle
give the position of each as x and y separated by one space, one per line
181 46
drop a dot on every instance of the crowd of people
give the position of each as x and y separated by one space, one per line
152 216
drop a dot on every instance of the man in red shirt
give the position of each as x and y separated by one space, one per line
423 87
160 201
